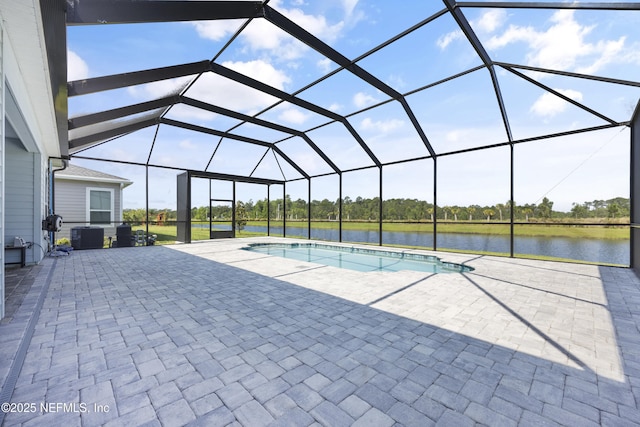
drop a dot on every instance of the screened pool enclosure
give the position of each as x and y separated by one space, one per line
490 127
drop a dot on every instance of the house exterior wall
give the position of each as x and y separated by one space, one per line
2 295
32 119
71 204
635 190
21 199
26 104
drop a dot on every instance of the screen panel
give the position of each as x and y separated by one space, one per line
408 204
325 192
582 180
473 198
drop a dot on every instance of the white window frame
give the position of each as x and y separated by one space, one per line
112 210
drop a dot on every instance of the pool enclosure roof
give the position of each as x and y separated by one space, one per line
293 90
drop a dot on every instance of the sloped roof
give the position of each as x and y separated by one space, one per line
78 173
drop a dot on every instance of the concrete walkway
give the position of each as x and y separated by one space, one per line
207 334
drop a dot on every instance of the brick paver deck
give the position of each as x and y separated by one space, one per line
207 334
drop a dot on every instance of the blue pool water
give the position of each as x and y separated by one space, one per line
358 259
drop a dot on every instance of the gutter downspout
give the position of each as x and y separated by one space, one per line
52 194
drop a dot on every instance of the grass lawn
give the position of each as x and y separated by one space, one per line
167 234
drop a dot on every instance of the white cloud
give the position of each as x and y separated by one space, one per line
316 25
512 35
631 55
490 20
160 88
325 65
308 162
77 68
187 144
218 90
260 70
610 50
548 104
262 36
397 81
444 41
562 46
457 135
215 30
258 36
293 115
181 111
349 6
383 126
335 107
362 100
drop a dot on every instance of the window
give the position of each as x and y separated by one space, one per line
100 206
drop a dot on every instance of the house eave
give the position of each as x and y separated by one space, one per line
124 183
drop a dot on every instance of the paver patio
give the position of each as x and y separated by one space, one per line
208 334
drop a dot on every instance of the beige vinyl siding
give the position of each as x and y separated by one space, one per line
71 204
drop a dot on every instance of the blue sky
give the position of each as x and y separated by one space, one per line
459 114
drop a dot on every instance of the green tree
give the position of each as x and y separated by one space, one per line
455 210
599 208
297 209
500 207
134 216
323 209
471 211
445 211
613 210
241 216
545 208
509 206
488 213
202 213
579 210
260 210
347 203
624 205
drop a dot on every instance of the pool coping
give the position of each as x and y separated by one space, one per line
451 267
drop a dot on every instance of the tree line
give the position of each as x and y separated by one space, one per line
397 209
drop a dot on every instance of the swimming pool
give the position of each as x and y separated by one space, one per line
359 259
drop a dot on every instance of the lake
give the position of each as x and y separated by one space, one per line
594 250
